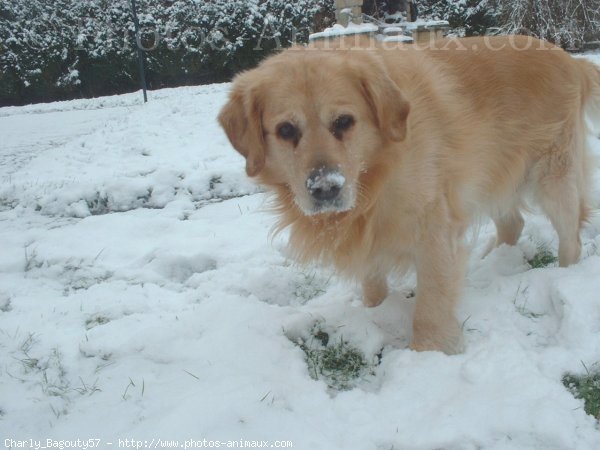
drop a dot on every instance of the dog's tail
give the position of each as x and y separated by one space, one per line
591 94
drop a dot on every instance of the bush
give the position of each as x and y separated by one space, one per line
569 23
35 53
471 17
61 49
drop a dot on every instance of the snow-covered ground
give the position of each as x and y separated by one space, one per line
141 297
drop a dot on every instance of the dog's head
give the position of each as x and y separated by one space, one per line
313 121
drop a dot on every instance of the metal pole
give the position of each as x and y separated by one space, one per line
138 44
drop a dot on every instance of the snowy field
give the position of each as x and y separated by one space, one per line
142 297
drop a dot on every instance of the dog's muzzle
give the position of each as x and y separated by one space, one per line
328 192
325 184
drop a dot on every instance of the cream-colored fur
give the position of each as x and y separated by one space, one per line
438 136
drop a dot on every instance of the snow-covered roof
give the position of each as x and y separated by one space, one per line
426 24
393 33
339 30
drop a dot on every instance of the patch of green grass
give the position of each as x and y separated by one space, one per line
98 204
87 389
528 313
47 372
31 260
29 363
81 275
521 305
5 304
95 321
337 363
543 258
127 395
309 285
587 388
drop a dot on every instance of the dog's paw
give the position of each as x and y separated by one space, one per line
448 340
372 302
374 292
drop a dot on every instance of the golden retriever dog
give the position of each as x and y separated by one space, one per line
380 159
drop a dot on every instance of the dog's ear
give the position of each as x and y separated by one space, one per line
241 118
387 103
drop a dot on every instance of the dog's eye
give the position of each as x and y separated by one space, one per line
287 131
341 124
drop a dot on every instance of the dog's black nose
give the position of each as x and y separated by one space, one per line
324 184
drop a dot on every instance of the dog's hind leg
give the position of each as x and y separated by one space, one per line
564 211
562 195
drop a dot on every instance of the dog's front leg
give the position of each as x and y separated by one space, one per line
440 261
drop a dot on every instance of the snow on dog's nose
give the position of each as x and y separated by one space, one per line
324 184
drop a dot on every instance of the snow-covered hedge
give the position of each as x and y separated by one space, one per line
52 49
56 49
471 17
569 23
